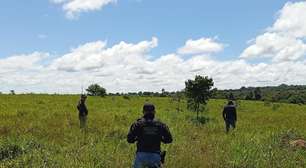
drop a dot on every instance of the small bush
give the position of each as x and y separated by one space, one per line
126 97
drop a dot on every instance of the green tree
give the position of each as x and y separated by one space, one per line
296 99
198 92
231 96
139 93
249 96
96 90
12 92
163 94
257 94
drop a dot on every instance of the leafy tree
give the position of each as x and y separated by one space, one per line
163 90
243 88
198 92
231 96
96 90
126 97
12 92
163 93
249 96
257 93
147 93
296 99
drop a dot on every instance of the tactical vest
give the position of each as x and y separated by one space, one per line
149 136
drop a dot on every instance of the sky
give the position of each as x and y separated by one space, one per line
60 46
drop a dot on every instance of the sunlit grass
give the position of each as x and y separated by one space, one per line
43 131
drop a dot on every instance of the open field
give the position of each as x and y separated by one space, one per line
43 131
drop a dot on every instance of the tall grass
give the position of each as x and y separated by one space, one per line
43 131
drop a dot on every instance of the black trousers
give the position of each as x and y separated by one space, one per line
230 123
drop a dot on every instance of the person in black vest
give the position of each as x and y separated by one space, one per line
230 115
83 112
149 133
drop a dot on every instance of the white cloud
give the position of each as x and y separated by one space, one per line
276 46
284 40
94 55
291 20
127 67
201 46
22 62
73 8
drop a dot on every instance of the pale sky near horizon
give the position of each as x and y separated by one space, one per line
58 46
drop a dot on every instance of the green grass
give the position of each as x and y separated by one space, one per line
43 131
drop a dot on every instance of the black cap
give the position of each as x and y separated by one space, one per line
83 96
148 107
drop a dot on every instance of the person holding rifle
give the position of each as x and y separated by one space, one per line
83 112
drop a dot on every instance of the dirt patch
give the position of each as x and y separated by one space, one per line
292 141
299 143
4 130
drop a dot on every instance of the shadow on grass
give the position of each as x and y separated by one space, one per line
11 150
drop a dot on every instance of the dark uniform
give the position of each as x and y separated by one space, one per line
149 133
83 112
230 115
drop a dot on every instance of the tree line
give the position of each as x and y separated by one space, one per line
295 94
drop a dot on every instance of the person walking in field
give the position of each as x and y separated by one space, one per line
83 112
149 133
230 115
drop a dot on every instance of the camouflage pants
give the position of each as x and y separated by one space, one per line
83 120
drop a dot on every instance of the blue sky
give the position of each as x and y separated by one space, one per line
254 38
173 22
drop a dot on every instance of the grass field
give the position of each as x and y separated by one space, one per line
43 131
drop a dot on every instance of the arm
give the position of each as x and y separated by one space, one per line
235 114
166 135
223 114
132 135
85 110
78 106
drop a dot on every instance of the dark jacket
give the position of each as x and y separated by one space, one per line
229 113
149 134
82 109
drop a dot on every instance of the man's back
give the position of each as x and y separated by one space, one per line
229 112
149 134
82 108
